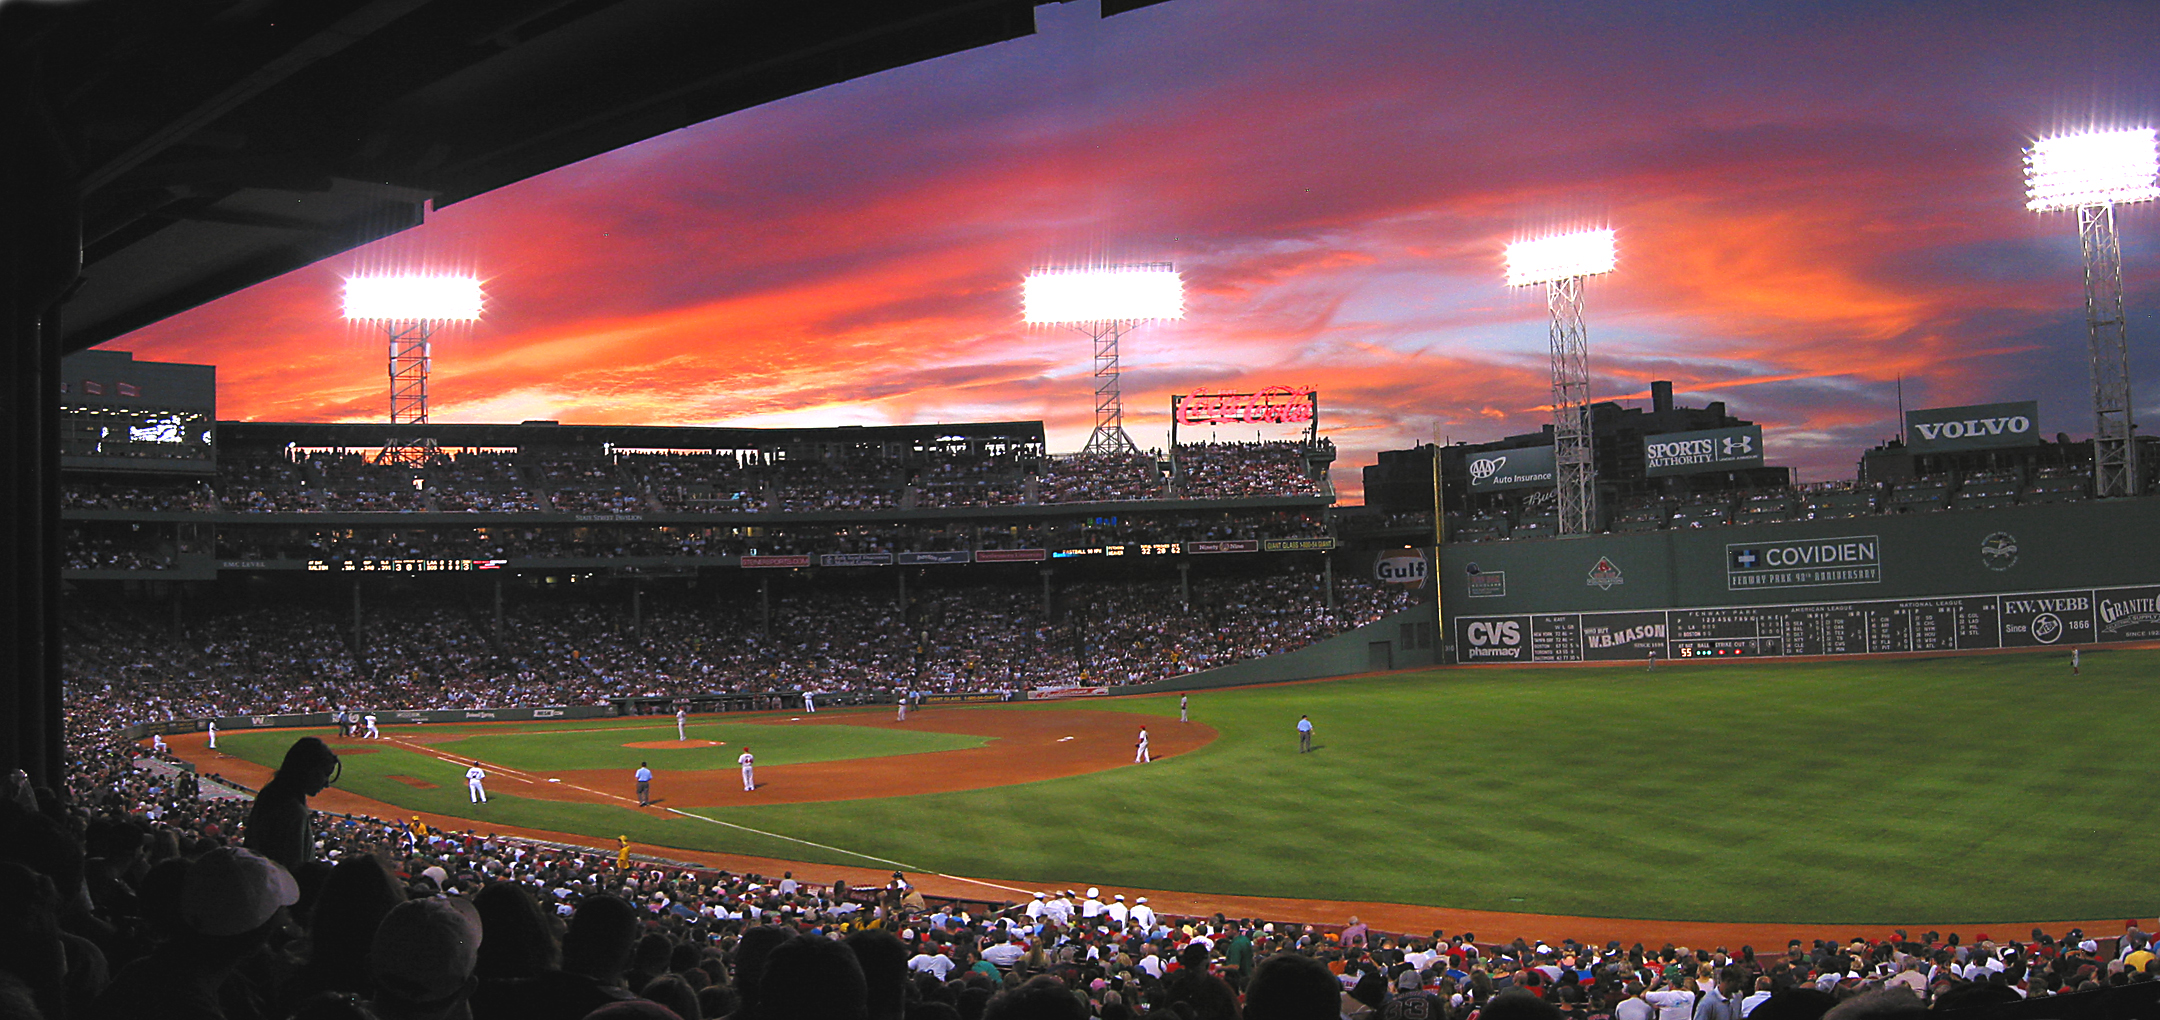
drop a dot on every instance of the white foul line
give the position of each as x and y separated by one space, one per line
868 857
524 777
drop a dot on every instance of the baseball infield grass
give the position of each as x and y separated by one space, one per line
1953 790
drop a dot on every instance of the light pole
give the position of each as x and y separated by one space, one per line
1560 263
2092 173
409 308
1105 303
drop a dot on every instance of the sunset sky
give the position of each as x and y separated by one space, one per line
1811 200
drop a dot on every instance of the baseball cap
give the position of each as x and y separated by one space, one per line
1409 981
231 890
425 949
1093 892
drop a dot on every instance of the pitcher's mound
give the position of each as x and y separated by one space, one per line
673 745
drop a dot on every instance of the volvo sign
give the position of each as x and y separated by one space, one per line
1973 427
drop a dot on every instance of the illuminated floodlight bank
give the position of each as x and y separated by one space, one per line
1111 294
1562 257
2092 168
412 298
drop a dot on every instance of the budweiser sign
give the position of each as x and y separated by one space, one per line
1276 404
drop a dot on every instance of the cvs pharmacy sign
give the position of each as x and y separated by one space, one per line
1492 638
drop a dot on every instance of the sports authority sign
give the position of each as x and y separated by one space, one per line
1680 453
1522 468
1803 563
1973 427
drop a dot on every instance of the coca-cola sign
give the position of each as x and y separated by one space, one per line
1274 405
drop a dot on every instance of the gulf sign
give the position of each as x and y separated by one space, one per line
1973 427
1405 567
1274 405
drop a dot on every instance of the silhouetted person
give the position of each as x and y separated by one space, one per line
280 826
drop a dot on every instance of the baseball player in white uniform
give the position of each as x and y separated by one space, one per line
1140 752
681 718
903 706
1182 702
157 743
473 776
809 702
749 782
372 732
213 736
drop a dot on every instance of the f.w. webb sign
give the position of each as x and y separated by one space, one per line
1973 427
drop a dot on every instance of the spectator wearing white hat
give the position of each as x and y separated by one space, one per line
1142 914
230 902
1092 907
1117 912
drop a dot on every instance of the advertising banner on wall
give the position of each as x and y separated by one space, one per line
861 559
1973 427
2047 618
1803 563
1405 567
1522 468
911 559
1611 636
1934 624
2128 614
1493 638
1680 453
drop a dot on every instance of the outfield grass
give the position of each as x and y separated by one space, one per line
1954 790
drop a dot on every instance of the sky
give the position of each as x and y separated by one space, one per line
1812 202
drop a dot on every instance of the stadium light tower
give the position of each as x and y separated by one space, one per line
2093 172
1561 263
409 307
1105 303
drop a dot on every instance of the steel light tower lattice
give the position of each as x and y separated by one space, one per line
1105 304
1561 263
409 308
2093 172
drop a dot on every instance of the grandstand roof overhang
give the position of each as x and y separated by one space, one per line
214 144
546 434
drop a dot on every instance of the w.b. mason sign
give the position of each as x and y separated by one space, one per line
1973 427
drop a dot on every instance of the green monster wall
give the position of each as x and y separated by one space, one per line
2061 574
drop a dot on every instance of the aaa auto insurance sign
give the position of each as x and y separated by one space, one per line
1973 427
1679 453
1521 468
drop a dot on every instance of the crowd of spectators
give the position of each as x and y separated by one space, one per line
158 497
1241 470
607 540
140 891
274 481
82 551
129 665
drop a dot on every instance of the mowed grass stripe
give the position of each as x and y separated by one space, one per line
1954 790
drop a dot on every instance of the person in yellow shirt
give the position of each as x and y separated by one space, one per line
622 853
